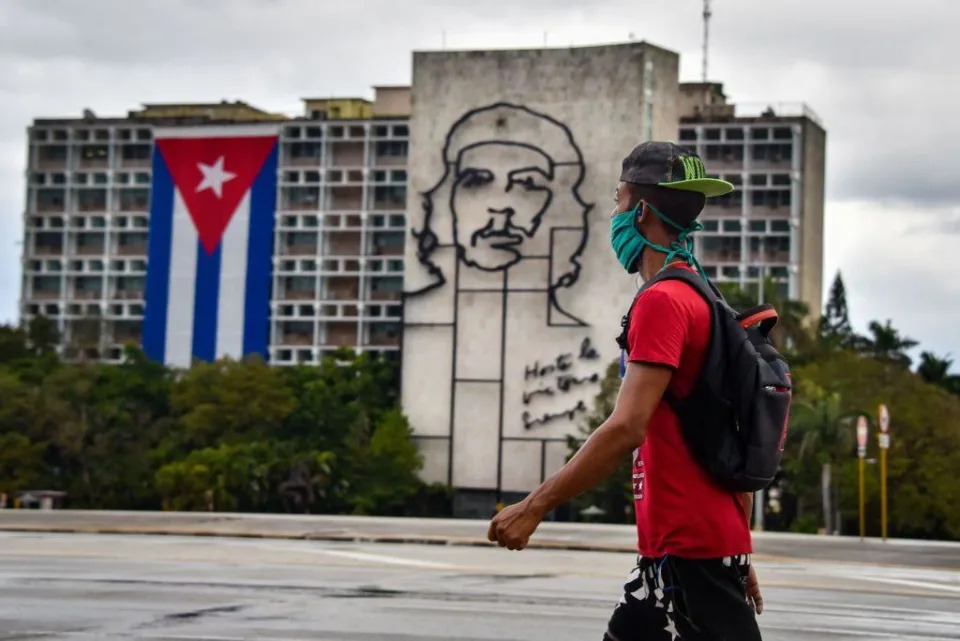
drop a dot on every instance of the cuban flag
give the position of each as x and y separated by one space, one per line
212 208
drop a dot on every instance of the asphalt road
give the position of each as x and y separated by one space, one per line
109 587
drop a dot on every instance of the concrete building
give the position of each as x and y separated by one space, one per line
338 239
772 225
513 294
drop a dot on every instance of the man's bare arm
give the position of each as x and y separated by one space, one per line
640 392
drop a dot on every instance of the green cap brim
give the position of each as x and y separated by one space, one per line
709 187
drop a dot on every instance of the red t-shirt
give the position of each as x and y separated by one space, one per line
680 509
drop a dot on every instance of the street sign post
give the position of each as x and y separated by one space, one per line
862 432
884 438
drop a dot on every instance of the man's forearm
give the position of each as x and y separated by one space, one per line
595 461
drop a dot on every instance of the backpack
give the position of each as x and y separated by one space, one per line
735 419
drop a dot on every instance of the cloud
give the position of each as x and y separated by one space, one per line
879 80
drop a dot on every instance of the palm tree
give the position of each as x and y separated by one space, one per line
825 436
886 343
936 371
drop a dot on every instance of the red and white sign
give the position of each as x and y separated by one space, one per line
884 419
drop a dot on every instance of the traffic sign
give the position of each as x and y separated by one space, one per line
884 419
884 441
861 436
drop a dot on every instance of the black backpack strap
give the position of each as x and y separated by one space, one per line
704 288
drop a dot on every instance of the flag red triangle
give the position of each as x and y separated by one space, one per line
212 176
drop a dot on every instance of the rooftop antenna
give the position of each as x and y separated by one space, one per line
706 36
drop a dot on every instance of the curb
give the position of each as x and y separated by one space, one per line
356 537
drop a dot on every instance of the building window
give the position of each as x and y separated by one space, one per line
720 248
732 226
302 197
390 196
711 134
46 284
398 176
401 130
380 131
141 178
734 133
780 226
710 225
314 132
780 179
300 284
395 266
771 198
386 284
305 150
397 220
731 271
135 152
134 199
91 199
760 134
130 284
89 283
710 271
758 226
782 133
395 148
758 180
688 135
94 153
52 154
50 200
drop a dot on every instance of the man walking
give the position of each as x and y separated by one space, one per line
693 579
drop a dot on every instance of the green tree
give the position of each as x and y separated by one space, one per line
936 371
227 402
614 495
887 344
42 335
387 465
925 444
835 328
820 432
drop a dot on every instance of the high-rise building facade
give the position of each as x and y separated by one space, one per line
338 236
771 227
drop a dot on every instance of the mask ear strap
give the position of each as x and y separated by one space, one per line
683 245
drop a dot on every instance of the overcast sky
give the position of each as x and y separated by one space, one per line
884 82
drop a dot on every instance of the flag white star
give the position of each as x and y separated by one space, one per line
214 176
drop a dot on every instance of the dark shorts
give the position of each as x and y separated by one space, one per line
672 598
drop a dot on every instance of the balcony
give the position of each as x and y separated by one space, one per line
347 154
343 243
341 334
51 157
301 154
346 198
94 157
342 288
135 156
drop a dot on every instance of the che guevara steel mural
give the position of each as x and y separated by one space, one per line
506 220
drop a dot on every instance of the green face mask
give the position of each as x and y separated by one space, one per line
628 243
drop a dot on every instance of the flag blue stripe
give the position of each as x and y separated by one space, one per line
256 318
158 263
205 303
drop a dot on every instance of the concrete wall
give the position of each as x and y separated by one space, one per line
811 238
391 102
505 336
